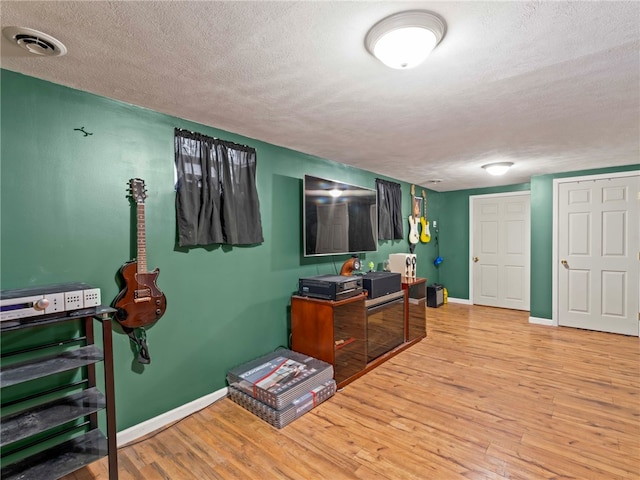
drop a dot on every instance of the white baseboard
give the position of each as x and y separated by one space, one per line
541 321
459 300
153 424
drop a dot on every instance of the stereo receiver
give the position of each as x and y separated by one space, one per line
36 301
330 287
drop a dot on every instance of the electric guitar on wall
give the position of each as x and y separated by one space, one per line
414 237
425 234
140 303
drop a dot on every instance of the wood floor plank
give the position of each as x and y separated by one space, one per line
486 395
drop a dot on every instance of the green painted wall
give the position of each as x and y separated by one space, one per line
65 218
454 236
542 236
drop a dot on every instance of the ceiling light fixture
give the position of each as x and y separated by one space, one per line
498 168
35 42
405 39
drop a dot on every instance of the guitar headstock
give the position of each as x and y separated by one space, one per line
137 190
424 195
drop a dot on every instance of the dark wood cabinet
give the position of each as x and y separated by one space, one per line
50 426
339 332
415 308
334 332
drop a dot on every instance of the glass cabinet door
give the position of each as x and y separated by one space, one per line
417 311
349 340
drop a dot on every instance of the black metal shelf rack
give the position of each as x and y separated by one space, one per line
51 416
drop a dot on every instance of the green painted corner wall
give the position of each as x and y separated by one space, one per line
454 236
65 217
542 236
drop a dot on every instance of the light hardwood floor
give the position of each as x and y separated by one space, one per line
486 395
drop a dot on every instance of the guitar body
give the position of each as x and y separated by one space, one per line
413 230
425 234
140 303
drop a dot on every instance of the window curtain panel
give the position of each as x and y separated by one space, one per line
389 210
216 196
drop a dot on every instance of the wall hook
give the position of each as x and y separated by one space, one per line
81 129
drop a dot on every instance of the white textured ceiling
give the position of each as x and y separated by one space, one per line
551 86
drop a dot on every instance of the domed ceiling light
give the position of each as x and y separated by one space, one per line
404 40
498 168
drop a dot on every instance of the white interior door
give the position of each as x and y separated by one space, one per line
501 250
598 244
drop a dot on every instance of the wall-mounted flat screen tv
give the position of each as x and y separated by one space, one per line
338 218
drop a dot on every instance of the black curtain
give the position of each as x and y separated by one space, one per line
389 210
216 196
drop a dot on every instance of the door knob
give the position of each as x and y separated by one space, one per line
565 264
475 259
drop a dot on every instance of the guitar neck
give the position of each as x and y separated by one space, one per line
141 258
424 204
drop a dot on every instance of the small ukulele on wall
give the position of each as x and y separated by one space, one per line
140 303
425 234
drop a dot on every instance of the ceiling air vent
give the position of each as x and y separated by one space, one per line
35 42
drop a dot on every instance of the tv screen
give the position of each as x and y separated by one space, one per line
338 218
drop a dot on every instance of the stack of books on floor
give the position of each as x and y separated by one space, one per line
281 386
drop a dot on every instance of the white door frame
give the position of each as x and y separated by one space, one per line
555 259
472 198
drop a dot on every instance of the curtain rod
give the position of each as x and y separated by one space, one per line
177 129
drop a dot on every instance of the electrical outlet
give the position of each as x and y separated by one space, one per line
73 300
435 224
92 297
